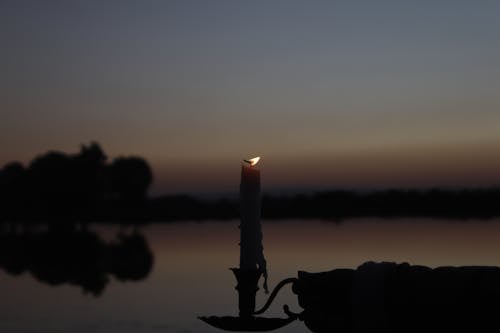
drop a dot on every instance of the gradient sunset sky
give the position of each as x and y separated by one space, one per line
351 94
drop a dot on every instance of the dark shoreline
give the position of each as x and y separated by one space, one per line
342 204
333 205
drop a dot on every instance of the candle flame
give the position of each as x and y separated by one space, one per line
253 161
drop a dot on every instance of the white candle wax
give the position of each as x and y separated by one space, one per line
251 250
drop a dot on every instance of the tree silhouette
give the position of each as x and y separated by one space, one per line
75 186
51 184
130 177
90 176
12 186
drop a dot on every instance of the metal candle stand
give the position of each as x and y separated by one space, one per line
247 288
247 321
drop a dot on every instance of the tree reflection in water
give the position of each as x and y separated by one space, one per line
78 257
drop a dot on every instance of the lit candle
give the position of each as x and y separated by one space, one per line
251 249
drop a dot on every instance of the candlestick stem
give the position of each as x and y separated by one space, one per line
247 288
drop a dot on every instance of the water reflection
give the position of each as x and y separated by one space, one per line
78 257
191 277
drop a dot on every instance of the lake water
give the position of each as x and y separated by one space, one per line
189 274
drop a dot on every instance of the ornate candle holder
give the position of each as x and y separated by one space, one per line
247 287
252 263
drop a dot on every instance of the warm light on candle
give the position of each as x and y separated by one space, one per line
253 161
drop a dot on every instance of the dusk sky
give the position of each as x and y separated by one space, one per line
350 94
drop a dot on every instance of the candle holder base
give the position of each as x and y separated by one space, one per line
247 324
247 321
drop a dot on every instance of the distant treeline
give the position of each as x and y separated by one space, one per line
460 203
339 204
59 187
80 186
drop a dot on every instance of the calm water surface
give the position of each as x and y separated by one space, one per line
190 277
